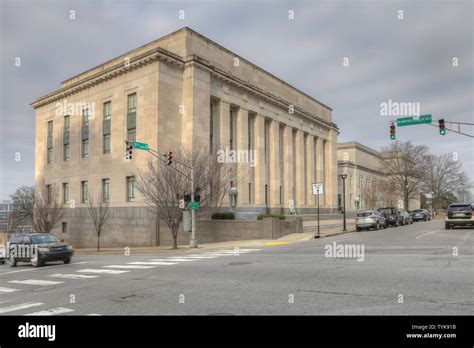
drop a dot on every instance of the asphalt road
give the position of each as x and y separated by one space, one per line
416 262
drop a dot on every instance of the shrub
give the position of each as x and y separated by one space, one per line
223 216
263 216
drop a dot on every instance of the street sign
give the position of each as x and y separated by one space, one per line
193 205
318 188
140 146
409 121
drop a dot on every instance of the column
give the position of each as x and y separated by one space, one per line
331 167
243 173
299 170
274 165
309 169
320 165
224 124
259 141
288 175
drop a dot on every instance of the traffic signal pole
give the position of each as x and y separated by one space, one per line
193 242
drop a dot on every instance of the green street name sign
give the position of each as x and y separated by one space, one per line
140 146
409 121
193 205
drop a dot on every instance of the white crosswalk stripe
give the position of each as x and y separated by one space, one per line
35 282
53 311
200 257
154 263
72 276
172 259
106 271
130 266
19 307
5 290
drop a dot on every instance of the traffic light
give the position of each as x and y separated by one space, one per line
392 131
442 127
169 157
128 152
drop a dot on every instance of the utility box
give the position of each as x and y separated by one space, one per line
187 225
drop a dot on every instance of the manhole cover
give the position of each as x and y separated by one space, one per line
239 263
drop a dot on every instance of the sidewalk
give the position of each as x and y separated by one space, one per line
256 243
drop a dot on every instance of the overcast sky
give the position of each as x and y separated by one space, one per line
405 60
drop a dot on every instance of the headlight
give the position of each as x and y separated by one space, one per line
69 247
43 250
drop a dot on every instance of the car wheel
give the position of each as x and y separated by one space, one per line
377 226
67 261
12 261
357 229
446 226
37 262
396 224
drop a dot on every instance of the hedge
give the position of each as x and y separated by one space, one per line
223 216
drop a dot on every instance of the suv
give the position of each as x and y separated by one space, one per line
2 253
458 215
420 214
38 248
392 216
368 219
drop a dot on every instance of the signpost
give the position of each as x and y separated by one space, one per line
140 146
193 205
318 190
409 121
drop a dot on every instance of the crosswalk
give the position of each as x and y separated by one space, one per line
87 274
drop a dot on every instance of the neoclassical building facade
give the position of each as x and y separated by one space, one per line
180 90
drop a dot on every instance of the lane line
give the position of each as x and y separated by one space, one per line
152 263
35 282
427 233
7 290
129 266
40 268
72 276
173 259
53 311
107 271
20 307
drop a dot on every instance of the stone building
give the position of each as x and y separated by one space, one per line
180 90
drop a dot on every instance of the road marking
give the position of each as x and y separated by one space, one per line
7 290
275 243
72 276
53 311
37 269
200 257
152 263
94 314
129 266
107 271
174 259
20 307
35 282
427 234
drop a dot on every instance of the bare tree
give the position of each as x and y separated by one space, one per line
442 176
389 192
99 212
23 202
47 208
372 194
402 164
10 222
163 186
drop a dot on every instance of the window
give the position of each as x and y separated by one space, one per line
64 227
350 180
266 194
249 134
131 116
85 133
351 200
48 193
50 142
106 127
105 190
66 138
250 192
84 191
231 129
65 192
130 188
211 128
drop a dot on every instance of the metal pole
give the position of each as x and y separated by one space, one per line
193 242
344 202
318 215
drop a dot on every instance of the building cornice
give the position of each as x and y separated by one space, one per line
358 166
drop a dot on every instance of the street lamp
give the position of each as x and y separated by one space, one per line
233 197
343 177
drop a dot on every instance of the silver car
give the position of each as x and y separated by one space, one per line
370 219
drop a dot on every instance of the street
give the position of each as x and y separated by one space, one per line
415 265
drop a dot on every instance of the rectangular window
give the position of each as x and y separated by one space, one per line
250 192
65 192
105 190
66 138
85 148
266 194
231 129
50 142
106 127
84 191
48 193
85 133
131 117
130 188
211 128
249 134
64 227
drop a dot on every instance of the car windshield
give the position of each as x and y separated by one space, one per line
460 208
386 211
43 238
364 214
418 211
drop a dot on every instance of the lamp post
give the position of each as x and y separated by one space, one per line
343 177
233 198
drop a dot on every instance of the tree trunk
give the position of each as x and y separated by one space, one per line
98 242
175 239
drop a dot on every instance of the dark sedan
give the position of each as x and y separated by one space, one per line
420 215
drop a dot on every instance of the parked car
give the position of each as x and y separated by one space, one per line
370 219
458 215
2 254
420 214
392 216
407 218
38 248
